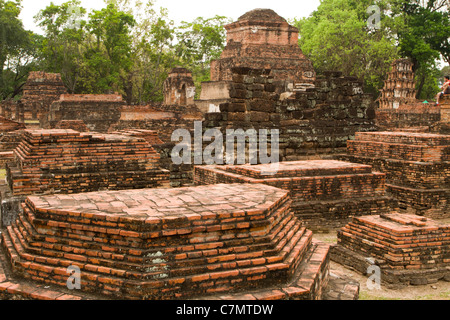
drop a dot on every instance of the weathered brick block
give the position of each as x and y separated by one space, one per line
169 243
409 249
417 167
325 194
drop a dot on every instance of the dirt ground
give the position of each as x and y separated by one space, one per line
435 291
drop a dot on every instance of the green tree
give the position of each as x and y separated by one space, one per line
200 42
153 47
430 75
445 71
337 37
109 55
17 50
423 29
62 48
18 66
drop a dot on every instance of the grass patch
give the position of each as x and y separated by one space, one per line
426 297
363 295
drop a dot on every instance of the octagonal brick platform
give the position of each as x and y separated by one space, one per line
326 194
409 249
170 243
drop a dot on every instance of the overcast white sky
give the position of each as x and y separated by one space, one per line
188 10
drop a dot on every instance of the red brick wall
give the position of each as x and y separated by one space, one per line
66 161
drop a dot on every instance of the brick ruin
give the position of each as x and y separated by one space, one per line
97 111
408 249
12 110
260 39
399 110
444 125
312 123
98 189
416 164
418 115
235 241
399 88
66 161
164 120
7 125
325 194
76 125
10 132
39 92
179 88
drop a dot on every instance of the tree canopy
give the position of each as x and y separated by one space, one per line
17 50
337 36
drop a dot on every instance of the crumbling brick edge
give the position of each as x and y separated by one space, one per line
14 289
338 288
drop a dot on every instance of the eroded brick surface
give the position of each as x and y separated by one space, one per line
168 243
417 167
325 193
408 248
97 111
77 125
7 125
68 161
311 123
163 119
39 92
413 115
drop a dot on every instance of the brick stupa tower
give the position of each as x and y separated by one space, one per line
39 92
262 39
399 88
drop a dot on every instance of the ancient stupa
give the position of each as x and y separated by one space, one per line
260 39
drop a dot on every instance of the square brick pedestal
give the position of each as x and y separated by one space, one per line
417 167
408 249
64 161
326 194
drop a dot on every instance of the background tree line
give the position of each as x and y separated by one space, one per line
129 47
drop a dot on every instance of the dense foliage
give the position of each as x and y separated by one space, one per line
337 36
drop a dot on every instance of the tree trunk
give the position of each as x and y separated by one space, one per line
421 84
128 86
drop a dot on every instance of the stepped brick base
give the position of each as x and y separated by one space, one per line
12 288
417 168
168 243
308 283
303 286
409 249
326 194
66 161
